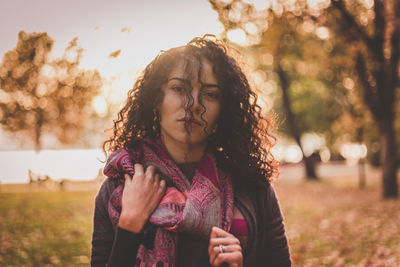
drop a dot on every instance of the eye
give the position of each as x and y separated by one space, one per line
178 88
212 95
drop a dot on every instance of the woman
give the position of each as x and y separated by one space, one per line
188 179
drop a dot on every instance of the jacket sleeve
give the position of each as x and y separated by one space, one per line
124 250
275 243
110 247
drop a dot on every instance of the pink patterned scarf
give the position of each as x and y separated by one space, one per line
187 208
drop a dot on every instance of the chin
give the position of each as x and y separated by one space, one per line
181 136
192 140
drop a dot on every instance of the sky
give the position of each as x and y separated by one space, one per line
149 25
141 29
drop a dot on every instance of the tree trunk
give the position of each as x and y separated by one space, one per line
309 163
38 129
361 174
388 160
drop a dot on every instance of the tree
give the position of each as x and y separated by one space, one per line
40 95
282 49
290 57
375 45
367 35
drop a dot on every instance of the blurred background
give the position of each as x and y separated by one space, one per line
326 71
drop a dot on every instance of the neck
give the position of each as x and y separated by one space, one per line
184 152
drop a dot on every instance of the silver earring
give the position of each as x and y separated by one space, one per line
215 129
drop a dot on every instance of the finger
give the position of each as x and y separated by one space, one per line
228 249
230 258
212 256
150 173
213 251
163 185
218 232
214 243
219 259
157 179
161 188
128 179
224 241
138 169
213 233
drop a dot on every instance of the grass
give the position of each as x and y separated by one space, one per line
45 228
328 223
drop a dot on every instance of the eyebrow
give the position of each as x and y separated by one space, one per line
188 82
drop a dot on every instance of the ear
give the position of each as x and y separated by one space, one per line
157 107
156 111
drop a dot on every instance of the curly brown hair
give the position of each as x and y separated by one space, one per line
242 140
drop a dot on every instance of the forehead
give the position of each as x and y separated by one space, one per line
192 68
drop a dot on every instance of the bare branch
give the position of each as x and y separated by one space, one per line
397 9
395 44
368 94
349 19
395 55
379 23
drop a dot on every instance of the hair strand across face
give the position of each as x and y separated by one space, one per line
242 139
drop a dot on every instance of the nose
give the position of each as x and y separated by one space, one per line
196 108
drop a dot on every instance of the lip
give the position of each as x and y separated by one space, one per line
193 121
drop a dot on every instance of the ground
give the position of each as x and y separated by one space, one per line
328 223
333 223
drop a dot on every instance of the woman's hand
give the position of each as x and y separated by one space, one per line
224 247
142 194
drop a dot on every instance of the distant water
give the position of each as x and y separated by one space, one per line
81 164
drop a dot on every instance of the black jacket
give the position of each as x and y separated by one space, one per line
266 246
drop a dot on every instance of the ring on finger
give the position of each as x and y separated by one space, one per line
222 248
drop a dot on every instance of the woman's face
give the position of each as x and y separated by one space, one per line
172 108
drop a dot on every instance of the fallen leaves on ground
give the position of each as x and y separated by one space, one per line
334 223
